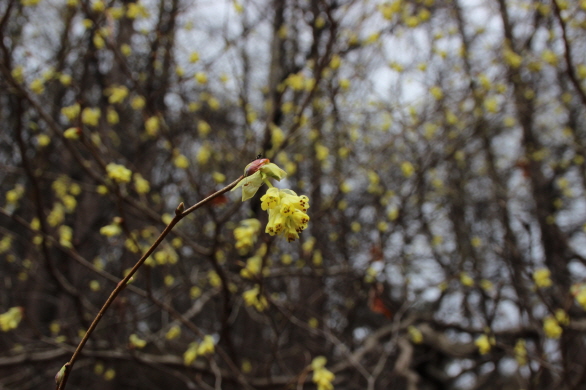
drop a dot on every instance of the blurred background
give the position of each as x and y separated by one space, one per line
441 144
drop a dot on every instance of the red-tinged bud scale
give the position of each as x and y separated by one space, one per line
255 166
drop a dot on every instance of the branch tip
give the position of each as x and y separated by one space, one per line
179 210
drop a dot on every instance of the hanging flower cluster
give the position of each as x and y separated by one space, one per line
287 210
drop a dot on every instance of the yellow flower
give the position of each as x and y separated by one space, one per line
112 116
72 133
253 298
181 161
71 112
173 332
206 346
37 86
116 94
322 377
109 374
141 185
18 74
65 236
111 230
416 335
484 344
246 235
136 341
119 173
407 169
204 154
466 280
214 279
521 352
541 277
12 196
551 327
203 128
137 102
191 354
511 58
201 77
151 126
194 57
11 319
549 57
579 292
90 116
136 10
253 267
436 92
562 317
288 216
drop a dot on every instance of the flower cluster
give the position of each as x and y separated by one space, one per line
10 319
287 210
206 347
246 235
322 377
484 343
119 173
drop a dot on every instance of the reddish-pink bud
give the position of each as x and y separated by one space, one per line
255 166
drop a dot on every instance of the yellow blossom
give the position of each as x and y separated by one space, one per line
579 292
541 277
136 341
204 154
551 327
246 235
71 112
521 352
141 185
214 279
95 285
415 334
137 102
436 92
549 57
72 133
112 116
37 86
151 126
201 77
90 116
484 344
119 173
287 212
10 319
111 230
116 94
180 161
190 354
466 280
322 377
203 128
218 177
65 236
253 298
206 347
407 169
194 57
173 332
109 374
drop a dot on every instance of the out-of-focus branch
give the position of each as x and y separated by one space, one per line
180 213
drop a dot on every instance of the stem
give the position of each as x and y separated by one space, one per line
180 213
